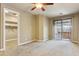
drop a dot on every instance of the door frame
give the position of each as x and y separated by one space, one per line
18 29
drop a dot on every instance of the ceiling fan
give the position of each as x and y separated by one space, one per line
40 6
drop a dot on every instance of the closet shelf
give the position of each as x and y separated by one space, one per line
15 25
10 22
11 40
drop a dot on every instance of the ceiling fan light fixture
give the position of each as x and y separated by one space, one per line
39 5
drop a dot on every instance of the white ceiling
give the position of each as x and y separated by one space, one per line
51 11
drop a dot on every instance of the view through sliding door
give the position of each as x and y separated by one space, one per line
62 29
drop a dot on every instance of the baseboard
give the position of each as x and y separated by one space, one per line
75 42
2 49
39 40
46 39
25 42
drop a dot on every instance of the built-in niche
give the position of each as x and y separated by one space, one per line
10 28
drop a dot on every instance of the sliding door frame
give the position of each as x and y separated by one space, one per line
61 25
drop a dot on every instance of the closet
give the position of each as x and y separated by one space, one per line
10 28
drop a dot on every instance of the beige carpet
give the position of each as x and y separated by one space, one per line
48 48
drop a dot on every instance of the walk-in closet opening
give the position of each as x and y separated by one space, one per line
11 29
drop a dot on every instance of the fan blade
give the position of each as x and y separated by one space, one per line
43 9
33 8
48 3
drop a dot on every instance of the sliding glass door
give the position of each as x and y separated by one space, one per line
57 29
62 29
66 29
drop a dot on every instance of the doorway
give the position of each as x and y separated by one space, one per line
11 34
62 29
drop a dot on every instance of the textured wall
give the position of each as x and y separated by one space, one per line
45 28
0 26
41 28
50 29
26 27
75 28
